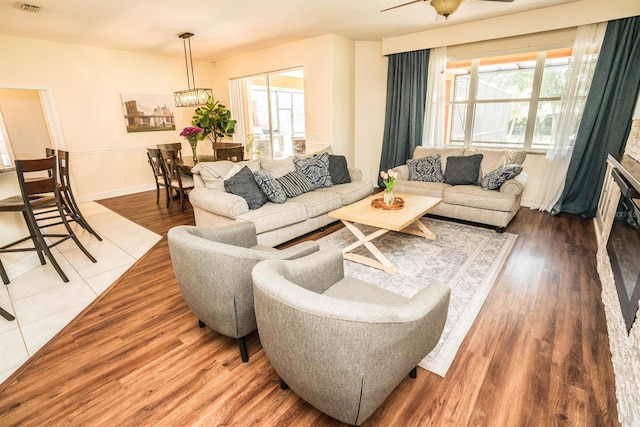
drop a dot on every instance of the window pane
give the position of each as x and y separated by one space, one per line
554 77
504 84
461 89
546 114
504 122
458 119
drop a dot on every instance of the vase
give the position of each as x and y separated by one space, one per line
387 197
194 151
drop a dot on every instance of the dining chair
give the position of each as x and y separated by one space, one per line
172 146
69 203
178 182
155 161
40 190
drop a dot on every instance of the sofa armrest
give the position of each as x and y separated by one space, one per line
355 174
218 202
515 185
403 172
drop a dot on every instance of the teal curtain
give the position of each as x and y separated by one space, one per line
607 117
404 117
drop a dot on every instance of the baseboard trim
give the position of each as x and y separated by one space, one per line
116 193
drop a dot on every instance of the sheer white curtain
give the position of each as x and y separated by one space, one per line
565 126
433 134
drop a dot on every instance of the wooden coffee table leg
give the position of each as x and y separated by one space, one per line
422 231
380 262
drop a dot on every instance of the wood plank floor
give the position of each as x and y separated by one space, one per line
537 355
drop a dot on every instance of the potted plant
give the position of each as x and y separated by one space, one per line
215 120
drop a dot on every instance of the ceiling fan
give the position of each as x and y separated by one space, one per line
443 7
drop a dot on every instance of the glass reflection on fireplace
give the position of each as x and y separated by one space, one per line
623 248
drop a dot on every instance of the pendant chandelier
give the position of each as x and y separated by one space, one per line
192 96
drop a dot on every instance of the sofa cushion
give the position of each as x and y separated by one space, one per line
338 169
244 185
475 196
231 172
273 216
212 173
319 202
494 158
445 153
295 183
432 189
463 170
425 169
316 169
278 167
352 191
270 186
494 179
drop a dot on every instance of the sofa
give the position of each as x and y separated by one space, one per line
279 219
481 185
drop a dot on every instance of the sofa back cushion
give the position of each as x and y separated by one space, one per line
444 153
493 159
212 173
278 167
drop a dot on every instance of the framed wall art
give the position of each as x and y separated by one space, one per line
148 113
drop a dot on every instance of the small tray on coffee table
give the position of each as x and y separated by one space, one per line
398 203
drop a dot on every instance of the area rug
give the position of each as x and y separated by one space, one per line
465 257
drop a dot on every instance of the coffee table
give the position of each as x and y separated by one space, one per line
404 220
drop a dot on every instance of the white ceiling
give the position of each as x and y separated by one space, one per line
225 28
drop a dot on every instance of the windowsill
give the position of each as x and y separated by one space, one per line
7 170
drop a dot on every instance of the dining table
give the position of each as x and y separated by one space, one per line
186 163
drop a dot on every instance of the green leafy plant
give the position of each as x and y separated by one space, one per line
215 119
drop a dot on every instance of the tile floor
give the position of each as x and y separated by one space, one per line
43 304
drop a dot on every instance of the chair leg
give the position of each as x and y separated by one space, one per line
413 373
4 313
41 245
77 214
3 274
201 324
283 385
244 354
157 193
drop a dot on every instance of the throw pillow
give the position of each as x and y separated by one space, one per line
463 170
270 186
295 183
426 169
338 169
316 169
244 185
494 179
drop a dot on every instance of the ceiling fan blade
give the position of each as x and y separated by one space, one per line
404 4
504 1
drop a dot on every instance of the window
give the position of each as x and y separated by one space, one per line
508 101
270 112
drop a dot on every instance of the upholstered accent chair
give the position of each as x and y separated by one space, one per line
341 344
213 269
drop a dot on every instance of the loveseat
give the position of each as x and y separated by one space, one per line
285 218
481 185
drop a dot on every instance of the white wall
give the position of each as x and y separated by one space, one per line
327 62
370 100
83 86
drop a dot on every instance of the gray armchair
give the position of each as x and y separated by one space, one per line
341 344
213 268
